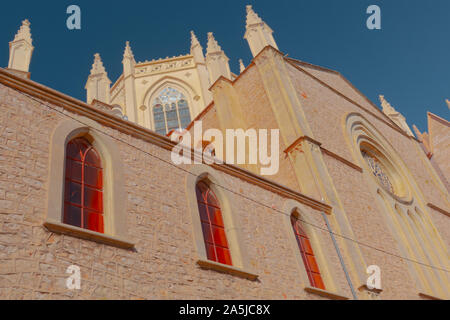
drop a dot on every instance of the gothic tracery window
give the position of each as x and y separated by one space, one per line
378 170
83 194
170 111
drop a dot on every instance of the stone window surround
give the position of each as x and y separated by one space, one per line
327 272
116 232
241 266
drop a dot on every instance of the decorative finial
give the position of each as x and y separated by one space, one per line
97 66
21 48
194 39
24 32
395 116
257 33
128 52
252 16
213 46
387 108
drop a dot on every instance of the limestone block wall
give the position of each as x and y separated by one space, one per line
33 261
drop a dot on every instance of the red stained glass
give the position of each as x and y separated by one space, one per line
207 234
93 177
83 194
216 216
220 239
203 212
306 246
216 243
223 256
309 260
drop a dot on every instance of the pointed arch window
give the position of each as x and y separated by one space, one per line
170 111
216 243
83 193
307 253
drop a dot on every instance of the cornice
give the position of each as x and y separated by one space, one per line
147 63
293 146
343 160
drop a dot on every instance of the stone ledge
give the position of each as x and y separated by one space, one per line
428 296
432 206
325 294
62 228
211 265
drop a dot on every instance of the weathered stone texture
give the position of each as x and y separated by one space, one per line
33 261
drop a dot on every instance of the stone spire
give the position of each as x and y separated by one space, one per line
241 66
21 49
216 60
213 46
97 66
129 64
196 49
258 34
98 83
128 53
448 103
395 116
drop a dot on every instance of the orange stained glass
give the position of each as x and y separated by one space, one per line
216 243
83 193
307 253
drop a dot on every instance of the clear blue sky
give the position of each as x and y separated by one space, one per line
408 60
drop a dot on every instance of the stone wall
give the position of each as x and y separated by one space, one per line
33 261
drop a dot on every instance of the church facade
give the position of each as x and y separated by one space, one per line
359 208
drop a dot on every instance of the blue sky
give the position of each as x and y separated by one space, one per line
407 61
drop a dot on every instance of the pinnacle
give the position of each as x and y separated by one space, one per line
252 16
128 52
194 40
213 46
97 66
24 32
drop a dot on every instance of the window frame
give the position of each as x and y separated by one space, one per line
153 103
115 226
82 182
241 264
297 219
210 225
328 272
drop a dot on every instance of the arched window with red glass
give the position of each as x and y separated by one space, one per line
83 194
216 243
307 253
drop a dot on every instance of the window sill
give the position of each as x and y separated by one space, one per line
61 228
428 296
211 265
325 293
